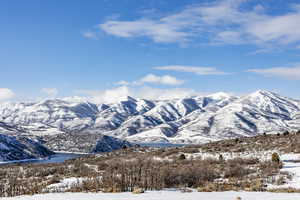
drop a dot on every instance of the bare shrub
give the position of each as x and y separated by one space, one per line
269 168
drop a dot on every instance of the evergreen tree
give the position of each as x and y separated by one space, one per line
275 158
181 157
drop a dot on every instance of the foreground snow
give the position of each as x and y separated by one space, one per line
291 165
294 170
64 184
161 195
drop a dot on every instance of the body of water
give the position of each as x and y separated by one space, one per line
56 158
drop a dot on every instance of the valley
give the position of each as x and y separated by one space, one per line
243 164
213 143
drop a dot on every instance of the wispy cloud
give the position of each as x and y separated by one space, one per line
292 73
6 94
164 80
157 31
153 79
192 69
218 22
52 92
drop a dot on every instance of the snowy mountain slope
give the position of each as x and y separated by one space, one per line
20 148
159 134
253 114
114 115
49 117
195 119
162 113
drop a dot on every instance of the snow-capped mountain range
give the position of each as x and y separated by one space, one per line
196 119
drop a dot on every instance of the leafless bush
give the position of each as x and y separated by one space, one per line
269 168
236 171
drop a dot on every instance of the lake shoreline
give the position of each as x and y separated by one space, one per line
58 157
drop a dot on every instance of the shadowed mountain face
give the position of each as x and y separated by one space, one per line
83 142
197 119
19 148
22 147
107 144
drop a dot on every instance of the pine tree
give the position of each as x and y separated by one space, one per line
221 158
275 158
181 157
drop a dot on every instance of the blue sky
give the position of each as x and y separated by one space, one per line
148 48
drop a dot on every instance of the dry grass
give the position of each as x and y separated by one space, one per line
154 168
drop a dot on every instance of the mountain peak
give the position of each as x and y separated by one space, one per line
53 101
127 98
219 95
263 92
219 115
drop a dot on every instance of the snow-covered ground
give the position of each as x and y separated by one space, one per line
64 184
291 165
261 155
162 195
294 169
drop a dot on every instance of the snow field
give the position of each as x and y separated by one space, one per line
162 195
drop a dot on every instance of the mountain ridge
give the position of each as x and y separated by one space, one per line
196 119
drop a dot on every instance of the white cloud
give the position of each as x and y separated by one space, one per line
164 94
52 92
111 95
225 22
152 79
6 94
116 94
159 32
283 72
281 29
164 80
231 37
192 69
